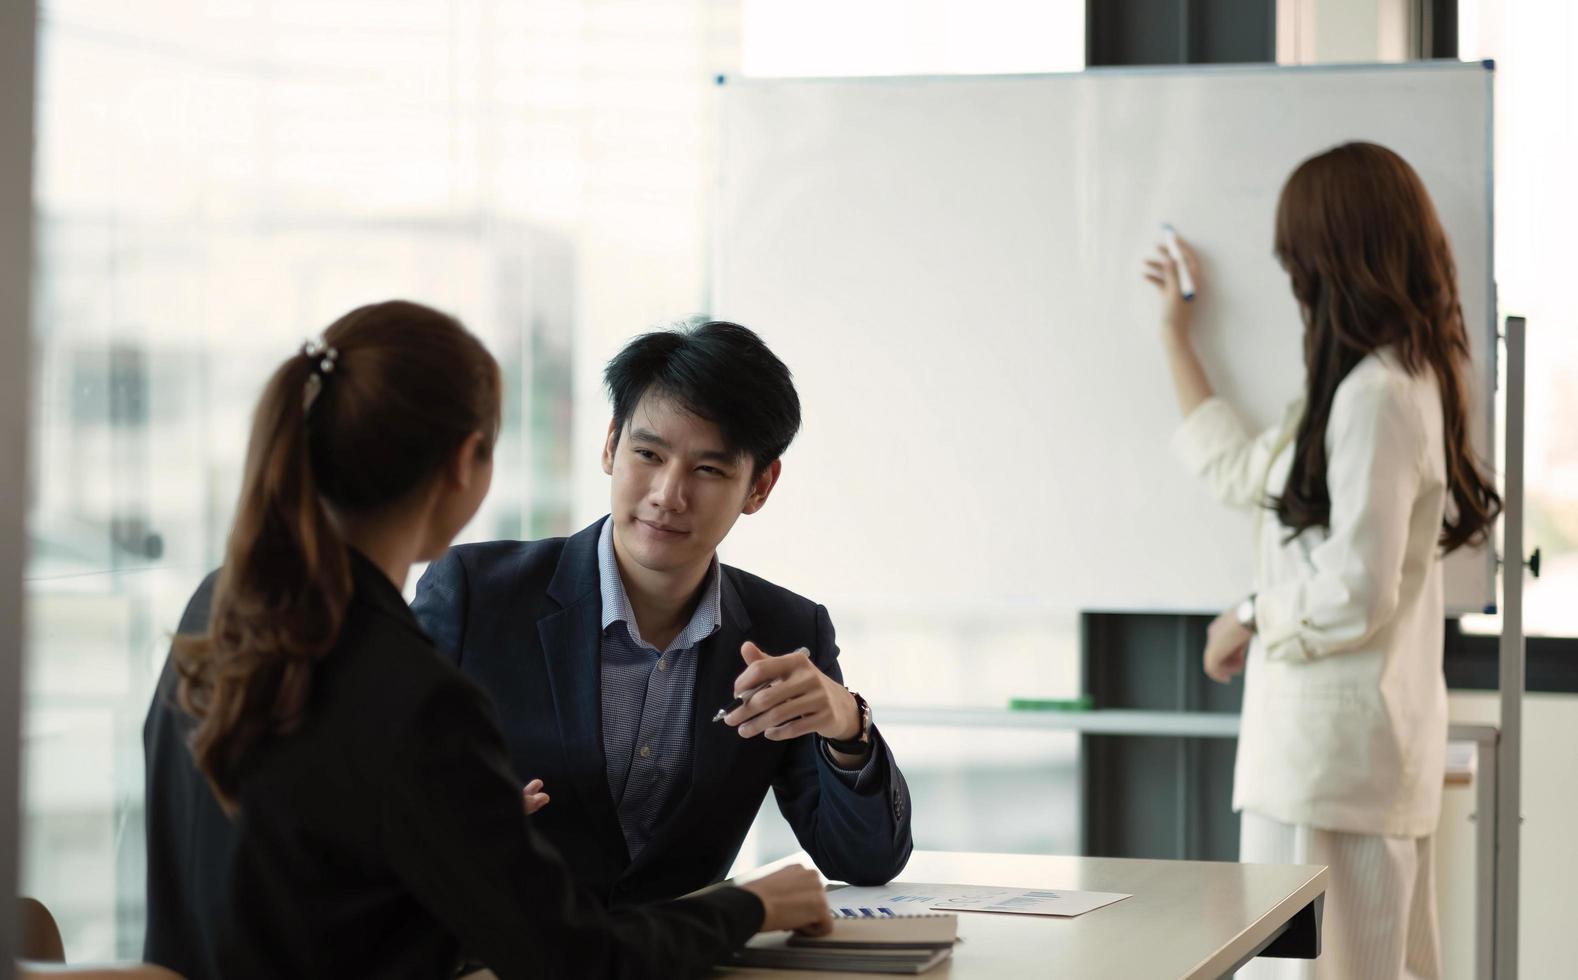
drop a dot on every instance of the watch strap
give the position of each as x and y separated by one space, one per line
860 743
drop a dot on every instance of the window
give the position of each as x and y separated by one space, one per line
1536 142
215 182
800 38
979 788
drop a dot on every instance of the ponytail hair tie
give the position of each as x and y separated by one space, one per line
322 357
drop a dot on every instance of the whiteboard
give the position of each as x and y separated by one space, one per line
951 268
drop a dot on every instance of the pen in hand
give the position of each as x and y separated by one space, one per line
1185 280
739 700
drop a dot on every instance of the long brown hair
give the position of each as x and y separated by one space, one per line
1371 268
403 389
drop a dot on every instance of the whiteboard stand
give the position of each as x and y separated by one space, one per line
1509 773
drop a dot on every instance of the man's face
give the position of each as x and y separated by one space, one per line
676 490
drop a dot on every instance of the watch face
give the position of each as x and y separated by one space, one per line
1246 612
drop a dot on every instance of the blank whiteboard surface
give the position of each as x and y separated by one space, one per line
951 268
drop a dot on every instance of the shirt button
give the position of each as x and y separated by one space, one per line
662 664
646 751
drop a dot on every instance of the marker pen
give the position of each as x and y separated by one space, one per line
1185 280
739 700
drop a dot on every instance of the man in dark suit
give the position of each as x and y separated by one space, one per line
608 653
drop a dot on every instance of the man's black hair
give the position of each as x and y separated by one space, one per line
718 371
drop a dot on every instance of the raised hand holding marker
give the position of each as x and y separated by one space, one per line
1185 280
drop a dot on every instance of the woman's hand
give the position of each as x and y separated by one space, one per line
793 898
1189 381
1162 272
533 797
1226 643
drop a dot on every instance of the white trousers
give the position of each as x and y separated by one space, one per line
1379 921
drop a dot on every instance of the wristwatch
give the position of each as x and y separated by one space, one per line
1245 613
860 743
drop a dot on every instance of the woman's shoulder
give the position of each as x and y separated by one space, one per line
1379 379
1380 393
1381 365
385 667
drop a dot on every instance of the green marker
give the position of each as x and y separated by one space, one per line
1081 703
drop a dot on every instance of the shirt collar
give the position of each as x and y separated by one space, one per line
705 621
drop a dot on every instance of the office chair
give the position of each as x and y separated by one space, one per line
43 954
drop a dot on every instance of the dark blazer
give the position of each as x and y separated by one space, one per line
523 619
190 840
385 836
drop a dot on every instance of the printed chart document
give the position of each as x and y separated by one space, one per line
905 897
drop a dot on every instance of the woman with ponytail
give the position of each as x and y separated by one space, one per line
326 795
1362 489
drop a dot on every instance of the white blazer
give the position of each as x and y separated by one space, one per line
1344 719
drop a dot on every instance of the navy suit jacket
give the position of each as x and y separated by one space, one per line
523 619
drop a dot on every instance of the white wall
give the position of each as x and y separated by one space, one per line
16 225
1311 31
642 228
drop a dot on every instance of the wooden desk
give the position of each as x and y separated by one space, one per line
1188 919
1478 768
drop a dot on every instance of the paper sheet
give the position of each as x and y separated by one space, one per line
913 898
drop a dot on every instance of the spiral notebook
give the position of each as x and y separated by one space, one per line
862 941
865 928
774 954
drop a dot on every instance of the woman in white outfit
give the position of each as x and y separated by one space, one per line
1361 489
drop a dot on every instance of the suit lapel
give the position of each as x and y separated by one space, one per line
571 643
